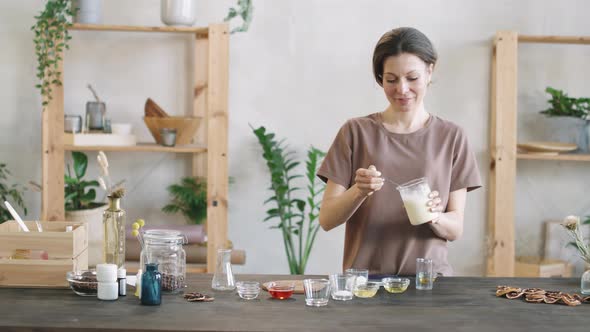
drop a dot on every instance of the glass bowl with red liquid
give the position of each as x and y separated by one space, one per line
281 290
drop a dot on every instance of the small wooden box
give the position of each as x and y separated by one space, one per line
67 251
537 267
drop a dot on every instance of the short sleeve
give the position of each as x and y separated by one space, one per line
464 173
337 165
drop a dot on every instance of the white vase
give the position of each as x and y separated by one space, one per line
93 220
89 11
177 12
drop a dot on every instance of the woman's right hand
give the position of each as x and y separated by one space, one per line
368 180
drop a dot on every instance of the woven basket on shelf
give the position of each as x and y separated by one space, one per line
186 127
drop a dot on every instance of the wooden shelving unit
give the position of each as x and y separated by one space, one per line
208 153
141 147
503 151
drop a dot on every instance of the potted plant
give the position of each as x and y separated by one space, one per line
564 105
51 37
296 217
189 197
81 204
12 193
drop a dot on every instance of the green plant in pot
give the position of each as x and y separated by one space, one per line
12 193
79 193
189 197
81 205
297 218
51 38
563 105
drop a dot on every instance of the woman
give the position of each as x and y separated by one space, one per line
401 143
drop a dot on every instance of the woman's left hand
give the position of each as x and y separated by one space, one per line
434 204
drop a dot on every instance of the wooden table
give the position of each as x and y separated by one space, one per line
455 304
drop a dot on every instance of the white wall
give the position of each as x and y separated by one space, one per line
302 70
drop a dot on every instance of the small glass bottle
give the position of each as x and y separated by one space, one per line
151 285
585 283
223 279
113 220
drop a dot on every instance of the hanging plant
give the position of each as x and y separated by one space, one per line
51 37
245 10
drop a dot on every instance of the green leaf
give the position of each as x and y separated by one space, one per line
80 163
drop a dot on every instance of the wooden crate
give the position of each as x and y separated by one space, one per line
67 251
537 267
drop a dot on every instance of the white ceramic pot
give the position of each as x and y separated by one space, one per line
177 12
93 220
89 11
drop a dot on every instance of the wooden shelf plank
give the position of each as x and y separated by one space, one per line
101 27
554 39
141 147
565 157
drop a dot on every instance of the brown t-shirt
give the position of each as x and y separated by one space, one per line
379 236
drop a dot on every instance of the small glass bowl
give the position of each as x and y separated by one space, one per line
366 290
248 290
395 285
83 282
281 290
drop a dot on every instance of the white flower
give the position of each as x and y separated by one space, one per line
571 222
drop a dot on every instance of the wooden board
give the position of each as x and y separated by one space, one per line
546 147
455 304
217 142
298 285
500 234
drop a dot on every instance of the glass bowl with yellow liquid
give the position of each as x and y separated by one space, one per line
395 285
366 290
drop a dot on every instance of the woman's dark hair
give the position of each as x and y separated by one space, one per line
398 41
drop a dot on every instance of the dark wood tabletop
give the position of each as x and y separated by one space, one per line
455 304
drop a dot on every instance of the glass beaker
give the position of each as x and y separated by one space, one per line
424 275
415 197
223 279
164 247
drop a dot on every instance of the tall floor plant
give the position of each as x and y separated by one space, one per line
297 218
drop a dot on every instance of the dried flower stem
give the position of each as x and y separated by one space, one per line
572 225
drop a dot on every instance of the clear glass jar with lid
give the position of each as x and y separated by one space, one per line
164 247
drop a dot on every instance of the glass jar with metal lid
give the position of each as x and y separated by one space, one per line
164 247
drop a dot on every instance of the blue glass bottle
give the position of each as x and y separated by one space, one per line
151 285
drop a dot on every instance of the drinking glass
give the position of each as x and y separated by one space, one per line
341 285
317 292
415 197
424 275
361 276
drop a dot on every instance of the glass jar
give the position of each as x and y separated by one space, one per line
585 283
113 220
164 247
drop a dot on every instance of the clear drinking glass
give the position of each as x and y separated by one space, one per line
317 292
415 197
424 275
341 285
361 276
223 279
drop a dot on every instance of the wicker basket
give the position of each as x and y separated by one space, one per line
186 127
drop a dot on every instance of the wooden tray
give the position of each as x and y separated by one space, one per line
298 285
546 148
